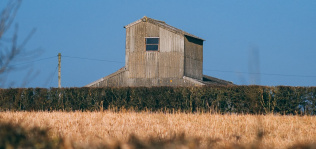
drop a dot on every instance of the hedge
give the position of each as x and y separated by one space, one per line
220 99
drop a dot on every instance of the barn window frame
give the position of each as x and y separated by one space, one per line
151 45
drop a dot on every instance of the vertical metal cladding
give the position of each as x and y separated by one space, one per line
177 62
136 57
171 58
167 62
193 57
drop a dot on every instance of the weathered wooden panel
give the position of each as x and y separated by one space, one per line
139 36
137 65
152 30
117 79
142 64
170 64
179 61
127 47
135 37
146 82
135 55
170 42
131 39
120 80
151 64
193 57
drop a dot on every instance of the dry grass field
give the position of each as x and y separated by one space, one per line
88 129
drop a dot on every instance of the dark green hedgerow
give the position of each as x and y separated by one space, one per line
221 99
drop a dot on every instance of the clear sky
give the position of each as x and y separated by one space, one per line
270 42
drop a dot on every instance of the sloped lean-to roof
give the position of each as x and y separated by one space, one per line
163 25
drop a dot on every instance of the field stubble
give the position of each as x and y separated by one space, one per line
91 128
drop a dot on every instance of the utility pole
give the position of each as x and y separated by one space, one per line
59 77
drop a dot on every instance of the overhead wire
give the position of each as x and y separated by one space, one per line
112 61
53 76
93 59
34 61
224 71
269 74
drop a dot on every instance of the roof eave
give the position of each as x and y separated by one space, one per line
133 23
194 36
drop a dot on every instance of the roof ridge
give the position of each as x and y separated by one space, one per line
164 25
154 20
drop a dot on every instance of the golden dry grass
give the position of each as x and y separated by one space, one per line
88 128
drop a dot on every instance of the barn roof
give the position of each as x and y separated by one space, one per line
164 25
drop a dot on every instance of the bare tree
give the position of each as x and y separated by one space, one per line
10 51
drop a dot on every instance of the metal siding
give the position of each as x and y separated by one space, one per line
118 79
131 39
136 82
151 57
179 61
152 30
170 42
142 64
137 65
155 68
170 65
136 54
193 58
170 54
139 36
127 47
151 64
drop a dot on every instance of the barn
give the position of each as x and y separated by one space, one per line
158 54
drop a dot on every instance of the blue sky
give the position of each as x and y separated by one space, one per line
247 42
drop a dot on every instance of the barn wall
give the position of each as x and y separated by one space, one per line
193 58
171 54
178 62
117 79
168 62
160 82
136 56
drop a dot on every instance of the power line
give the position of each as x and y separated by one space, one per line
269 74
224 71
93 59
34 61
53 76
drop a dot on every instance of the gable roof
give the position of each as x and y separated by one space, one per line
163 25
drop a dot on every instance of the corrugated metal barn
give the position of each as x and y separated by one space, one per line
158 54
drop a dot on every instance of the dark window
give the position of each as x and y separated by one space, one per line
152 44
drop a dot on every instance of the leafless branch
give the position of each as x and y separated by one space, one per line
8 15
10 50
8 54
